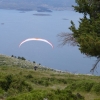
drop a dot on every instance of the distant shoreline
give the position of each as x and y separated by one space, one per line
38 10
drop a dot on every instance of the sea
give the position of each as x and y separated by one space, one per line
16 26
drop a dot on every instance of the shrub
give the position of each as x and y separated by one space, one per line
96 88
1 93
21 86
5 83
34 95
81 86
29 76
12 91
85 86
49 95
72 86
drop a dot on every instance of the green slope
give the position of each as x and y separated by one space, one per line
19 81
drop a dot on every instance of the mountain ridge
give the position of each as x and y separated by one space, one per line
35 4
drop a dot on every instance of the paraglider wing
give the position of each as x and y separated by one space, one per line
37 39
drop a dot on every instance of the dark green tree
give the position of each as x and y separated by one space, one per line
87 35
34 62
23 58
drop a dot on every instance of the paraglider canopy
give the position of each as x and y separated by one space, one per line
36 39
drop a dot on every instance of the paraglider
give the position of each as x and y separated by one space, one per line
37 39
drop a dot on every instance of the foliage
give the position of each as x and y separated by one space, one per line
88 7
21 58
97 99
96 88
81 86
87 35
51 95
17 83
5 83
85 86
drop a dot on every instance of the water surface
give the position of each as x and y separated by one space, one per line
15 26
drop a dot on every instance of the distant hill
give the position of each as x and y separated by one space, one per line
22 63
36 4
13 61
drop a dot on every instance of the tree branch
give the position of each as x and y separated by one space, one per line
67 38
95 65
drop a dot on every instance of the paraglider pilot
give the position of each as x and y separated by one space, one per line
35 67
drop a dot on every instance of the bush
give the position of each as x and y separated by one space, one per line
1 93
42 81
81 86
29 76
34 95
96 88
21 86
85 86
72 86
49 95
5 83
12 91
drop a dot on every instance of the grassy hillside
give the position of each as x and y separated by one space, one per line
19 81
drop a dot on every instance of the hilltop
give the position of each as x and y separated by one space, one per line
19 81
20 62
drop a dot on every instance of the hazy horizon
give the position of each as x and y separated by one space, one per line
35 4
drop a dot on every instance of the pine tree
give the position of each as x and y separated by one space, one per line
87 35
